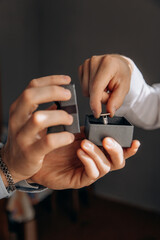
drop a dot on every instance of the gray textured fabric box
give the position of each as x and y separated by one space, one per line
118 128
72 108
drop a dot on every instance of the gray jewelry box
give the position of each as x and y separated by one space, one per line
71 107
117 127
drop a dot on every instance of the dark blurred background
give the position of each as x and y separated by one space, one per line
39 38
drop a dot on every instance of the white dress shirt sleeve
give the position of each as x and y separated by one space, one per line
142 104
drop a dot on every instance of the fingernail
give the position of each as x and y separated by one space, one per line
72 138
95 114
67 92
139 144
110 143
93 111
114 110
87 145
67 78
136 149
71 118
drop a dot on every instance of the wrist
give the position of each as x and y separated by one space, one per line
3 178
1 172
6 159
5 173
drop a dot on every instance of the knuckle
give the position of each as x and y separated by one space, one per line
107 59
33 83
37 118
49 141
93 62
27 95
86 61
93 59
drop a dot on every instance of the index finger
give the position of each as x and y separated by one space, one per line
105 73
50 80
32 97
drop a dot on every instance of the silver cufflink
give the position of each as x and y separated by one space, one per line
105 117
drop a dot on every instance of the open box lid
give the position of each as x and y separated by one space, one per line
71 107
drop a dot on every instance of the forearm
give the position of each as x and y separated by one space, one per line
142 104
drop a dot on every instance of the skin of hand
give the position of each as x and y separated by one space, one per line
56 160
81 163
28 141
105 79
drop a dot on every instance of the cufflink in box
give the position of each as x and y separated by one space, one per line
71 107
117 127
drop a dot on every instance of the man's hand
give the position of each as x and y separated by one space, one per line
28 141
81 163
105 79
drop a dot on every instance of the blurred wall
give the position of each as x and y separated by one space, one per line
40 38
